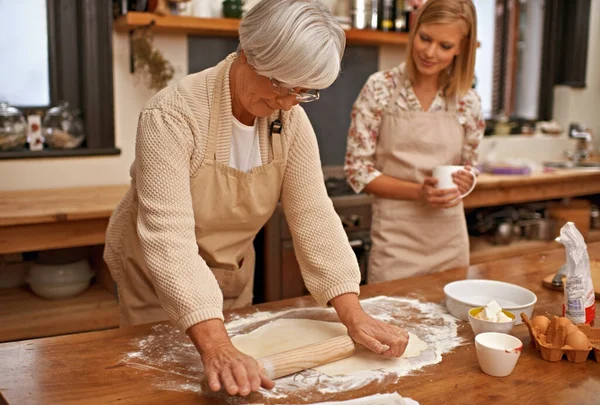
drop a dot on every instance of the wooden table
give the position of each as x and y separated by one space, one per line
85 368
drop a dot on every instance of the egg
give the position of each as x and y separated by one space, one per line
572 329
564 322
578 341
541 323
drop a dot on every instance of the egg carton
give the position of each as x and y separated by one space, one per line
551 352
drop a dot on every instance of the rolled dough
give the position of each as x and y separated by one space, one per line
287 334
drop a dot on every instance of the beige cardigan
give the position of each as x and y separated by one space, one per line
170 146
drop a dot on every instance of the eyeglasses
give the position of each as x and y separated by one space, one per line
303 95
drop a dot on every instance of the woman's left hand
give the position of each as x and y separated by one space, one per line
463 179
377 336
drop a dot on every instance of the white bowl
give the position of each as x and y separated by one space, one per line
481 326
497 353
59 291
461 296
56 281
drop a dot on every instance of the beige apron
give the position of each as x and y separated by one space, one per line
230 207
409 237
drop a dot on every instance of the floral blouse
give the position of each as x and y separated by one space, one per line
367 113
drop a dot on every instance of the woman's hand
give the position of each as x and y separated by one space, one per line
439 198
463 179
224 365
375 335
227 367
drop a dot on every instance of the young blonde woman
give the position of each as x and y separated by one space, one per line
405 122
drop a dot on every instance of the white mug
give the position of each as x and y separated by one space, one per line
443 174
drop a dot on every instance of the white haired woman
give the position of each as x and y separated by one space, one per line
214 155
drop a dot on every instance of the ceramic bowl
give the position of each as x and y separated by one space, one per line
481 326
497 353
60 280
464 295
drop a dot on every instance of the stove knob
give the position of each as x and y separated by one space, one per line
351 222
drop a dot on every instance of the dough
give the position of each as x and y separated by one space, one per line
286 334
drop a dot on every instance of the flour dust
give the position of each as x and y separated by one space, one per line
176 364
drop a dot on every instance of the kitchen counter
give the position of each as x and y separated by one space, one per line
85 369
59 218
511 189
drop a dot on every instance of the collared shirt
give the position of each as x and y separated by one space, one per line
367 114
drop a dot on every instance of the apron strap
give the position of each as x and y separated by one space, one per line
276 129
213 133
395 95
451 104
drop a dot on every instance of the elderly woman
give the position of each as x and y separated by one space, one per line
214 155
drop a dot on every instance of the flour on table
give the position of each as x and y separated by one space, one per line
287 334
170 352
377 399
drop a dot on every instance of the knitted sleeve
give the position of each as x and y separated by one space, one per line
328 264
183 281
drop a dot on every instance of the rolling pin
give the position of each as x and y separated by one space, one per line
302 358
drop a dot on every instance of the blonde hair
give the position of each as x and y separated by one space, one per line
462 70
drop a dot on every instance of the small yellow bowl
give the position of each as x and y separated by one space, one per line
480 326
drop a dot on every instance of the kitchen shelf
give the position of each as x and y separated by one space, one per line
483 251
228 27
24 315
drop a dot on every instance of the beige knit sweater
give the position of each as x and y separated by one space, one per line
171 141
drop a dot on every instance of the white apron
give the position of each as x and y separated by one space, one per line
230 207
409 237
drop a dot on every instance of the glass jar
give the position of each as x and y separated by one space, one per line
62 128
13 128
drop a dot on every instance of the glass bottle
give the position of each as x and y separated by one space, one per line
13 128
62 128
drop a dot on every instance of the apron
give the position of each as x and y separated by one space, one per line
230 207
410 238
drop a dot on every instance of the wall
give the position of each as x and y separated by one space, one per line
130 97
581 105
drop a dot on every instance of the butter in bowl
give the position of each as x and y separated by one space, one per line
491 318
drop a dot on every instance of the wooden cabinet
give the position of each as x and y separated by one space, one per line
23 315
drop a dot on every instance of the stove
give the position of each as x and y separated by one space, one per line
337 187
281 278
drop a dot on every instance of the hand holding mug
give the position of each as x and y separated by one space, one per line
465 180
458 177
439 198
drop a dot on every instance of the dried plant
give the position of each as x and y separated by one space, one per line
151 67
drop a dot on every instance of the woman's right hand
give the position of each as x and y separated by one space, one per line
227 367
439 198
224 365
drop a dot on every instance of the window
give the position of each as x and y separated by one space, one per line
509 58
527 47
484 62
60 50
25 78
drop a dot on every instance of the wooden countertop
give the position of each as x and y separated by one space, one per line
57 205
85 369
86 203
